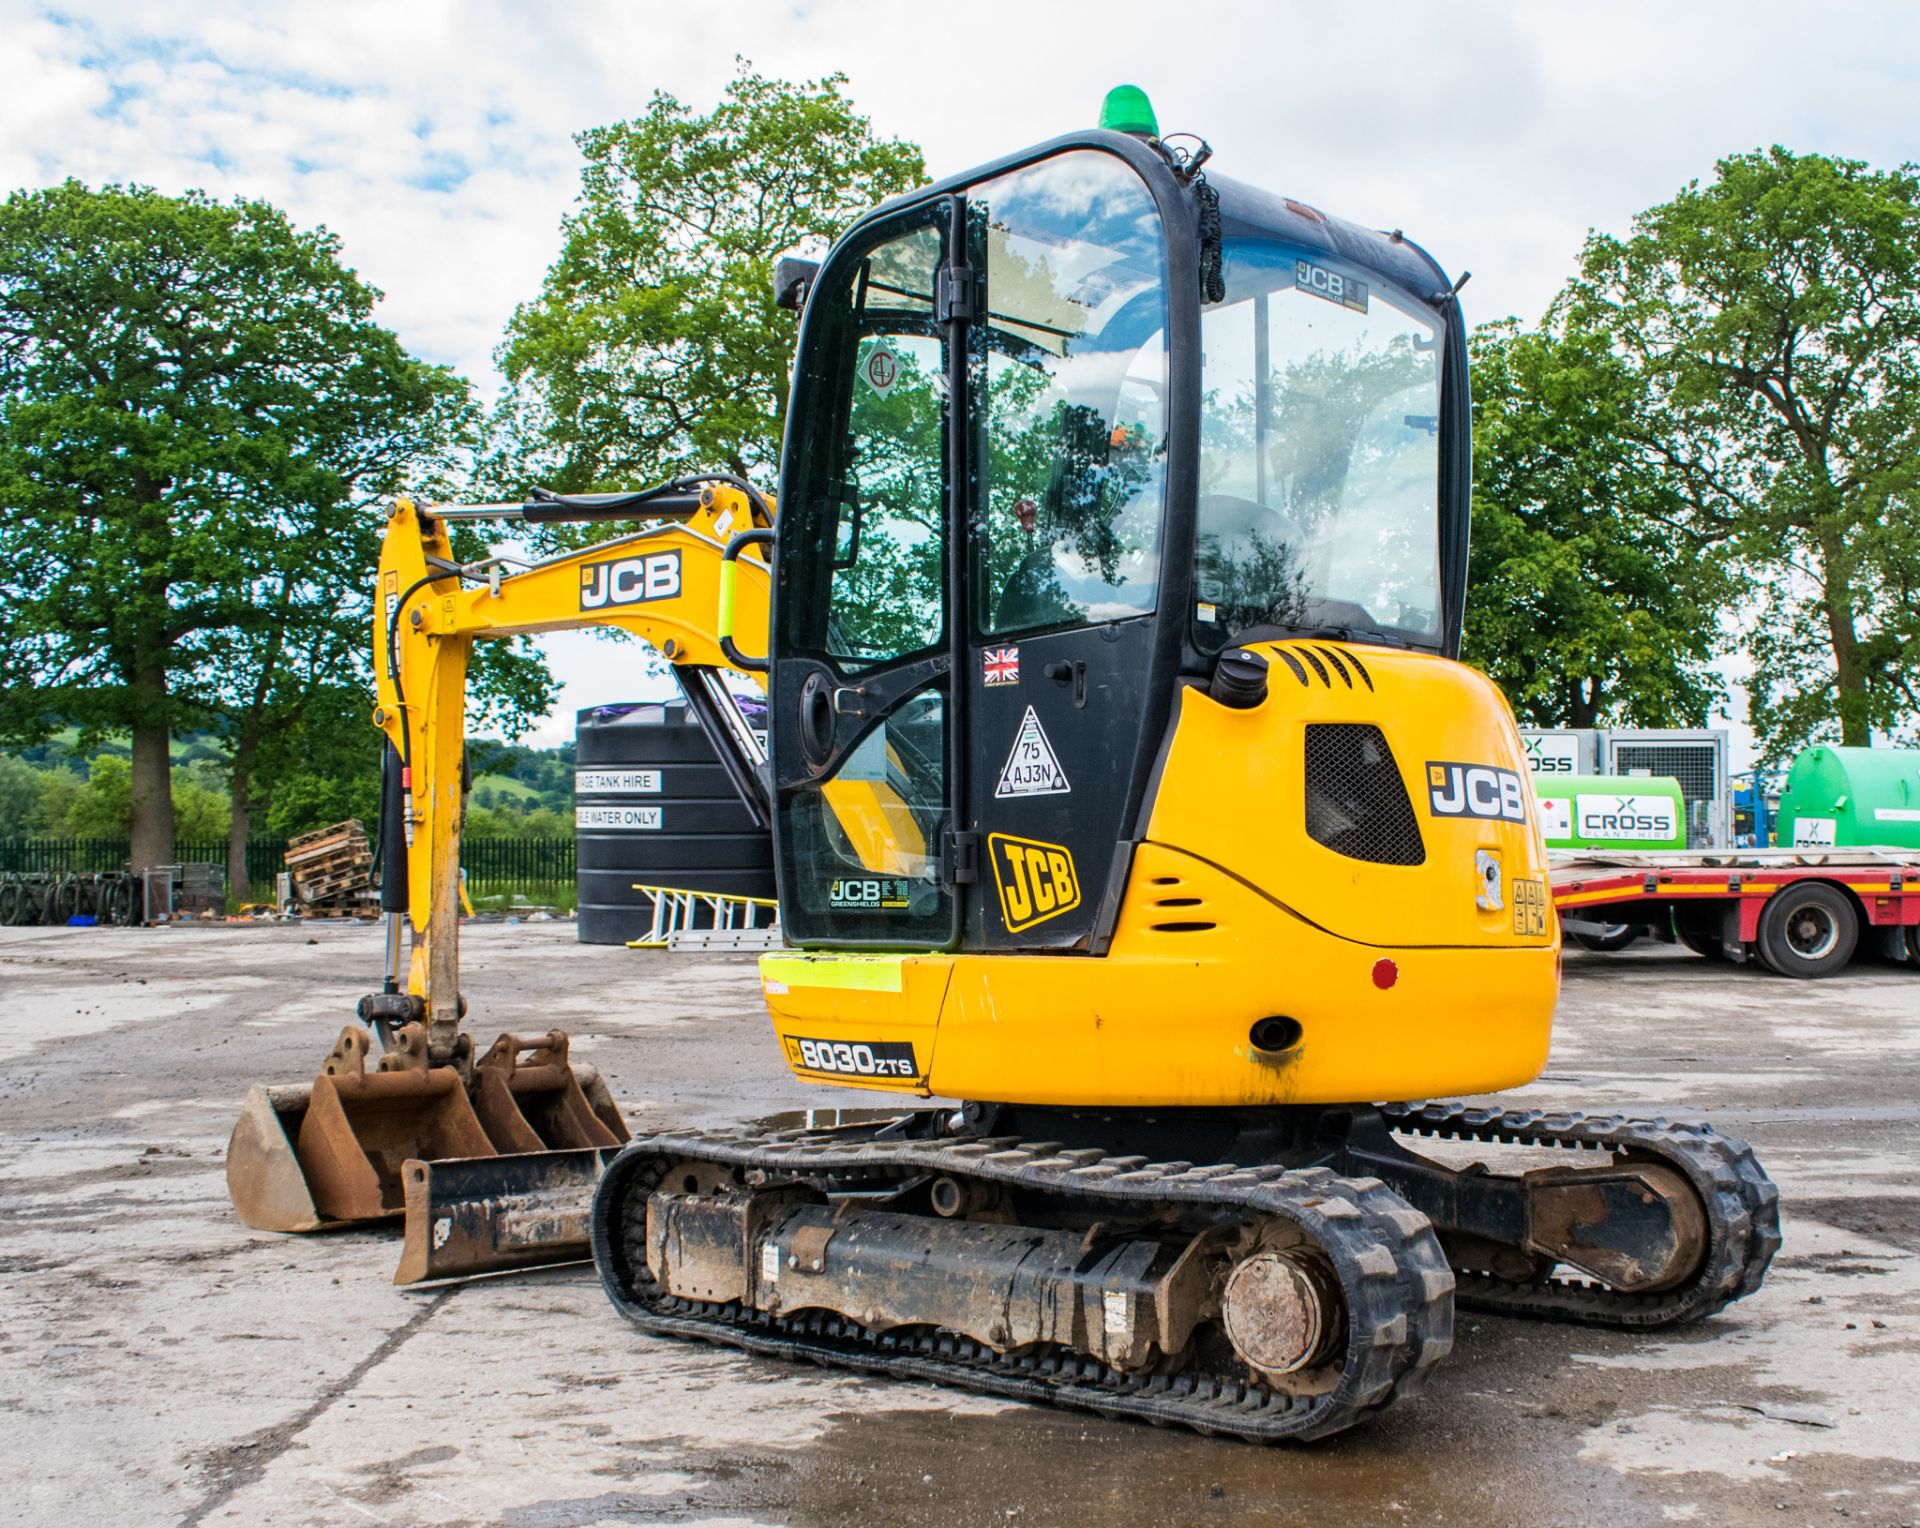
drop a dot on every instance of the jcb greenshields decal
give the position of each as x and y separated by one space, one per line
1036 881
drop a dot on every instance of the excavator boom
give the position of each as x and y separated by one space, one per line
500 1153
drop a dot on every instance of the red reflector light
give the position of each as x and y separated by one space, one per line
1385 973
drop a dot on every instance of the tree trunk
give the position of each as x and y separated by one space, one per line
152 774
1583 701
239 887
1849 679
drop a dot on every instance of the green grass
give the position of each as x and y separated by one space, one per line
487 789
555 896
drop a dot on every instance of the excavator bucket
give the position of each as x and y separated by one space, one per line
529 1098
363 1128
303 1158
264 1181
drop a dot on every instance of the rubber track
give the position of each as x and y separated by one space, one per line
1742 1207
1390 1266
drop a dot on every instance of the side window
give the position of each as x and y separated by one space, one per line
872 444
1069 379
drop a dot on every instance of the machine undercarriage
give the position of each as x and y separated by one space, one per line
1274 1280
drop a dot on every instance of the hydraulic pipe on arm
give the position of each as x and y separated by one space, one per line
664 584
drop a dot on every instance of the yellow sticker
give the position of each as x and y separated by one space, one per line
1529 907
1037 881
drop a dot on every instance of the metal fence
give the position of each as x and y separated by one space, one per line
493 865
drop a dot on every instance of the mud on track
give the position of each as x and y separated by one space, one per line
161 1363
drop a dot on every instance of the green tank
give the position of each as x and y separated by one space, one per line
1611 812
1844 797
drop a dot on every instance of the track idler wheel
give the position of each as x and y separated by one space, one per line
1636 1226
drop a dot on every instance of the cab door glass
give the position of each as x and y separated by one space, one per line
1068 370
862 579
888 554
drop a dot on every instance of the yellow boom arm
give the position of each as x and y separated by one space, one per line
669 585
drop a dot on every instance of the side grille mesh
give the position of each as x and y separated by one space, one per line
1357 804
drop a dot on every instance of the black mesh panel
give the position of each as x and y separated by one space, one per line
1357 804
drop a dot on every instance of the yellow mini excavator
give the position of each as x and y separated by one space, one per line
1125 789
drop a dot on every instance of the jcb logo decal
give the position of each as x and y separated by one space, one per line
1037 881
629 580
1475 790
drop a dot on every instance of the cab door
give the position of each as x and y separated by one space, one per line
967 587
861 701
1069 407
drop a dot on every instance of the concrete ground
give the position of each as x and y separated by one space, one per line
164 1363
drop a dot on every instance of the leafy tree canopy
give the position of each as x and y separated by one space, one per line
196 411
1587 600
1773 317
655 347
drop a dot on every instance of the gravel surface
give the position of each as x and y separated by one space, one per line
164 1363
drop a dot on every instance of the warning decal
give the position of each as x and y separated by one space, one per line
1031 768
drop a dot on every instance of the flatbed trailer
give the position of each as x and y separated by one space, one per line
1799 912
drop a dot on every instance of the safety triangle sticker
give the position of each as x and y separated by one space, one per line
1032 770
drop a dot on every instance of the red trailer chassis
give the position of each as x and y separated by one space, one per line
1801 912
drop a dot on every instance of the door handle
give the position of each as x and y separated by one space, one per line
1062 671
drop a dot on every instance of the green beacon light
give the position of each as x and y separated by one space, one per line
1127 110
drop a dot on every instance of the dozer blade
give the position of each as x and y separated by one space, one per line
528 1098
477 1215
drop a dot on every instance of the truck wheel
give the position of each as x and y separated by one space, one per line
1913 943
1698 928
1808 930
1603 937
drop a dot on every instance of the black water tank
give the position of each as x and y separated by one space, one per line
653 805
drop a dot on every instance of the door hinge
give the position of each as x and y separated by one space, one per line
963 858
953 295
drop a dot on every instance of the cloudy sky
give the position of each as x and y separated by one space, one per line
436 138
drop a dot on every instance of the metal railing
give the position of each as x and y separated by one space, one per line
493 865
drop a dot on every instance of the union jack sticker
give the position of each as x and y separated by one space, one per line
1000 665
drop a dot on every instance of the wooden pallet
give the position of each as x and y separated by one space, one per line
344 842
330 869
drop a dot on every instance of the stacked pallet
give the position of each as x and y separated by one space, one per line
331 872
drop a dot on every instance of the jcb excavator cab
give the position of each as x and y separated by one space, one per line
1125 787
1123 525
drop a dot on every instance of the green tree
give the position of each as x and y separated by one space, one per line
59 790
1588 601
655 347
1774 316
196 410
103 807
201 810
20 785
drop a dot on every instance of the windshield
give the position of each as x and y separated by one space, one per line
1320 452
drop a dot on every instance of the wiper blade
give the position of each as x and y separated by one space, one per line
1356 634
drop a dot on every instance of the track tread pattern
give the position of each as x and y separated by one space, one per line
1741 1202
1392 1273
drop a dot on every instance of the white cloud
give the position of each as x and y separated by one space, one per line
436 138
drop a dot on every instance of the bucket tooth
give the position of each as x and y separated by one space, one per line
528 1098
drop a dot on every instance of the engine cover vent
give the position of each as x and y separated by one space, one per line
1357 804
